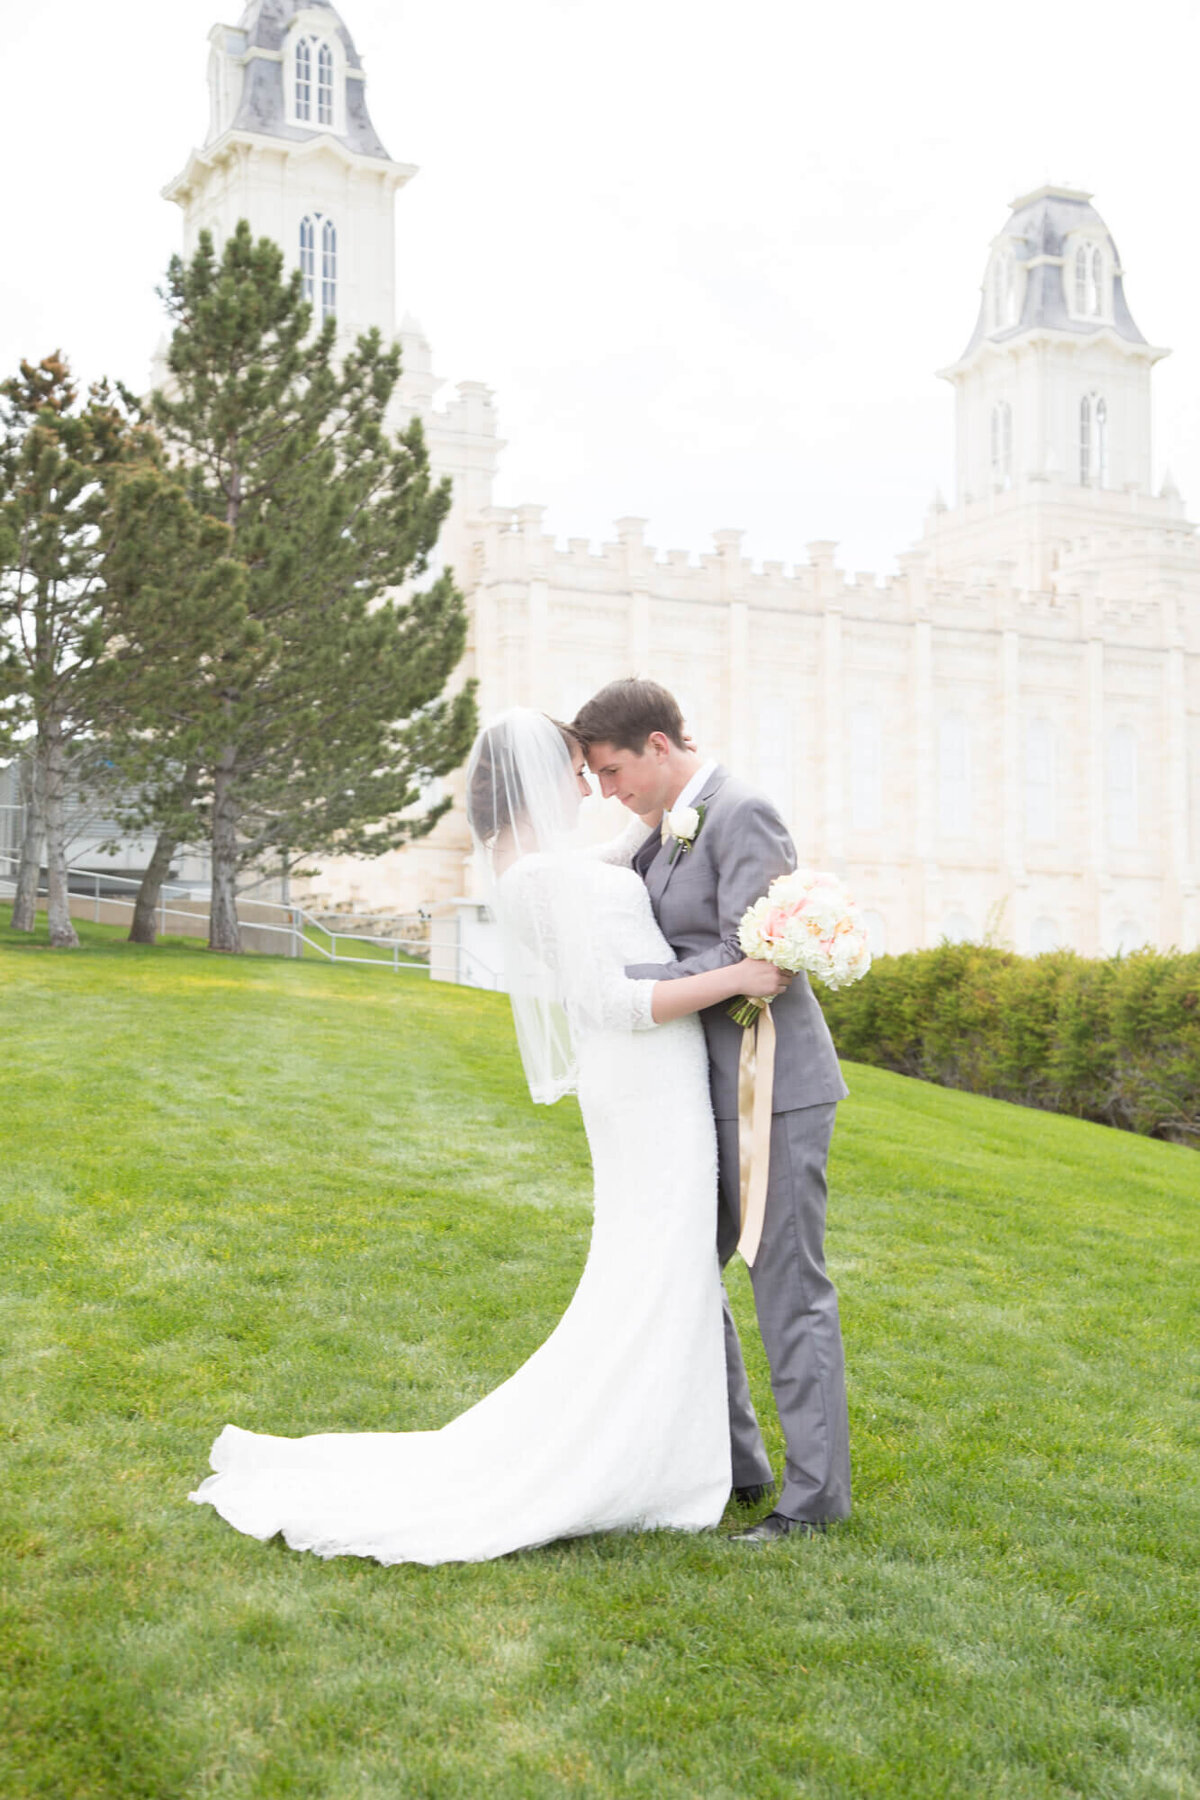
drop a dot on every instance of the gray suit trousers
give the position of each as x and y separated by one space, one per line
798 1316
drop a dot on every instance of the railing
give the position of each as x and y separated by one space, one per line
80 881
290 928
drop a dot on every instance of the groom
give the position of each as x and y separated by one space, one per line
699 889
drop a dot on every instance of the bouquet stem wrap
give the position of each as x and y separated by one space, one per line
756 1090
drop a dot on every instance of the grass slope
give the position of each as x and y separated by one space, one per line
302 1198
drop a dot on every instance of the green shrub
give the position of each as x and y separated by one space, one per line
1116 1041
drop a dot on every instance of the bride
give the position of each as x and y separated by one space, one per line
619 1420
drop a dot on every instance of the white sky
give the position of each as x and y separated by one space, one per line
707 256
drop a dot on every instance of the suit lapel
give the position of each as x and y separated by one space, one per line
668 863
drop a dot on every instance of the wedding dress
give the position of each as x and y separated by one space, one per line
619 1421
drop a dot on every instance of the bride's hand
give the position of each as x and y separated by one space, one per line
760 980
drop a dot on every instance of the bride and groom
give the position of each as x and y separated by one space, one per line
621 960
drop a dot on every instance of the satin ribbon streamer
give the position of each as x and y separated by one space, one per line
756 1087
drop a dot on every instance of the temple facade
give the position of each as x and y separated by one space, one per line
1003 738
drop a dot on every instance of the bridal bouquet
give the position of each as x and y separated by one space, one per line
806 922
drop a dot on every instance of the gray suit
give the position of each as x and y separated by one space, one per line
699 897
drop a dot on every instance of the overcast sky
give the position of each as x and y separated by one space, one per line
708 256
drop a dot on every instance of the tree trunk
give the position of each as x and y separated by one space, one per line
224 932
144 929
24 912
63 935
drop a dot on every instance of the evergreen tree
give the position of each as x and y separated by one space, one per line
174 596
57 460
307 694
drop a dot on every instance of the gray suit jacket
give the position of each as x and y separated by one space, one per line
699 899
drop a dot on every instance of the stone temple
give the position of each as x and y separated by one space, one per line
1004 737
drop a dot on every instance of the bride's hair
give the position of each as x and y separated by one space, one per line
497 800
523 805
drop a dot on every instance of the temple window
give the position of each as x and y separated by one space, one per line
1002 445
954 775
1040 781
308 256
328 269
1004 290
325 85
304 79
1121 787
1093 441
1090 286
314 229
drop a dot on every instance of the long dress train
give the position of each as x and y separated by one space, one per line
619 1421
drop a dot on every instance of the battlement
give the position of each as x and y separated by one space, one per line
1103 581
516 548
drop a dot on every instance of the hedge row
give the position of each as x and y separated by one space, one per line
1117 1041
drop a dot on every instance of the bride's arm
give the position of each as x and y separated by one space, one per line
693 993
622 849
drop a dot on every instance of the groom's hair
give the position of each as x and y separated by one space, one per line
624 714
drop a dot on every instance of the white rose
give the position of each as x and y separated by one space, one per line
750 931
683 823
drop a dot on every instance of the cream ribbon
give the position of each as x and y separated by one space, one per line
756 1088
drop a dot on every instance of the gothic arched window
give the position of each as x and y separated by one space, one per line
304 79
324 85
776 767
1090 285
954 775
1040 807
1093 441
1004 290
1002 445
316 230
328 269
957 928
1130 937
866 769
1121 787
308 257
876 929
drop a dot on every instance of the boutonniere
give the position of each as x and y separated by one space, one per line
684 826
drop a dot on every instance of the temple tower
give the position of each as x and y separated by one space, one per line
1052 394
291 148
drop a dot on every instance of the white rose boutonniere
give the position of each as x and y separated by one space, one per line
683 824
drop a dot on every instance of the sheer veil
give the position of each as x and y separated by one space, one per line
522 804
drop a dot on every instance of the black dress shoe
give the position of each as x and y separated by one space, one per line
750 1496
776 1525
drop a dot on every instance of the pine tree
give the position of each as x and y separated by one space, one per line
306 691
174 597
57 459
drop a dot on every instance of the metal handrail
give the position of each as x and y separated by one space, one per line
295 926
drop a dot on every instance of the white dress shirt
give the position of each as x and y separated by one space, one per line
695 785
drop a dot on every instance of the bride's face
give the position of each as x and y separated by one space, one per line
580 788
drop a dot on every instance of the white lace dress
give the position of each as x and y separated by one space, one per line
619 1421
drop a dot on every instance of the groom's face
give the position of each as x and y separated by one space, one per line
639 779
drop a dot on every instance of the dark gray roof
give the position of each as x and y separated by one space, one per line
1039 225
264 26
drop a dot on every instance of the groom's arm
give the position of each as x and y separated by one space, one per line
755 848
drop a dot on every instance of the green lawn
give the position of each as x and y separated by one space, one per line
303 1197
